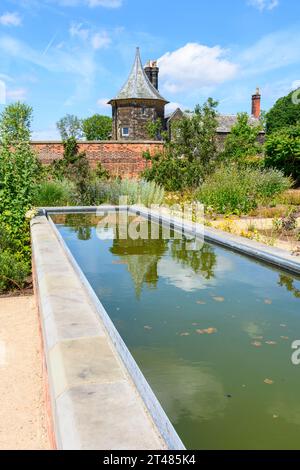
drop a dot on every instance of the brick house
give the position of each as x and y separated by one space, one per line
139 102
225 121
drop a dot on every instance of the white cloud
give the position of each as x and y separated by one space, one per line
81 67
19 94
76 30
102 102
195 66
105 3
90 3
10 19
273 51
100 40
171 107
262 5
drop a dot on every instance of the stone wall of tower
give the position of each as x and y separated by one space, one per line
135 115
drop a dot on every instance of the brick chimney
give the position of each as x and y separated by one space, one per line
256 99
152 72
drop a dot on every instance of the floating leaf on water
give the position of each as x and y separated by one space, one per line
271 342
185 334
268 301
219 299
147 327
200 302
257 344
269 381
207 331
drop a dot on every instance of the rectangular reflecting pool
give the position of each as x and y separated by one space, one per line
210 329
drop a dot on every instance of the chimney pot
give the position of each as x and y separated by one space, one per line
152 71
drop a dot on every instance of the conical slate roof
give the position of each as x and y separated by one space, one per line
138 86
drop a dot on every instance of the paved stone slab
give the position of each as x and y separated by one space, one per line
104 416
83 361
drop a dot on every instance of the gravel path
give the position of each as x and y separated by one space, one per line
22 404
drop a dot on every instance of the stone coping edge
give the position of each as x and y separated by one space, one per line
158 415
270 255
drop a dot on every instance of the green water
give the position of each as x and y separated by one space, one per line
211 385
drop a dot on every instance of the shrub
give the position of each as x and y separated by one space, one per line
286 224
291 197
242 145
234 190
191 154
75 166
100 172
282 151
136 192
150 193
100 192
13 271
271 183
54 193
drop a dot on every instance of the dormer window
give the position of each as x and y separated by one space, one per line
125 131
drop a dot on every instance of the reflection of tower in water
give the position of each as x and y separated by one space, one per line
141 257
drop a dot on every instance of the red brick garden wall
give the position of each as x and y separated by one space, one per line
119 158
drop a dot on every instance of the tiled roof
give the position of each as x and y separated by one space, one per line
226 121
138 86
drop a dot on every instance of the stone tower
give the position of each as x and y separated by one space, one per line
137 103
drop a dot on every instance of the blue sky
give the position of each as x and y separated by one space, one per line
71 56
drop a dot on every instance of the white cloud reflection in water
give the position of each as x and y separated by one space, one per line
186 279
185 390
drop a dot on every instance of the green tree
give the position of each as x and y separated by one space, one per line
192 152
19 172
242 145
285 112
97 127
282 151
70 126
74 166
15 123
